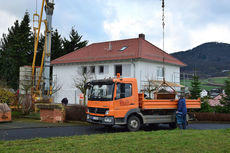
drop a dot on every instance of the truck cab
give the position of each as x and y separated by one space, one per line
110 100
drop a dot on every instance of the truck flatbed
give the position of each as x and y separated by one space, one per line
146 104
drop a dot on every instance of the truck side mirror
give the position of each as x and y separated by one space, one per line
88 85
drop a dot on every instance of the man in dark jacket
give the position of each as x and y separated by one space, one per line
64 101
182 112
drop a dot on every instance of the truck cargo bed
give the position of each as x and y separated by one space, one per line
166 103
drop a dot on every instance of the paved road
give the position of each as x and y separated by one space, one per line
21 133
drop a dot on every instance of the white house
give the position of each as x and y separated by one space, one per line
203 93
130 57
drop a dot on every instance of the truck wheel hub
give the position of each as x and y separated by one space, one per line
134 124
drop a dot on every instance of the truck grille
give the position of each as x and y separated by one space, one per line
97 110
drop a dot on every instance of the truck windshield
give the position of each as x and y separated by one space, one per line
101 92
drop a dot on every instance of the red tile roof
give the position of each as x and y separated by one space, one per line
215 101
137 48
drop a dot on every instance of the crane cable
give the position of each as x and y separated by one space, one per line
164 83
36 5
163 22
163 37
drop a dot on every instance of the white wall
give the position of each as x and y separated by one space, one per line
148 70
64 75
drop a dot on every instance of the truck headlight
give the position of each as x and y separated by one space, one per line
108 119
87 116
106 112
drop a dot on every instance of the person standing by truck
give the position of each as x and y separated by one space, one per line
181 112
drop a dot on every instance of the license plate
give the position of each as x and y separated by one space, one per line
95 118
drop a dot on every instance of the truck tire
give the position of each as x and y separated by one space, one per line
108 126
133 124
173 125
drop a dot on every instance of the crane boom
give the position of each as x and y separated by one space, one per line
44 75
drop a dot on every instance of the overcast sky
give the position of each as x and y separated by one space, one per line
188 23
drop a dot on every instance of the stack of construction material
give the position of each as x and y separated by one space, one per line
5 113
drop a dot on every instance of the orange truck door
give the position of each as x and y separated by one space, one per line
124 100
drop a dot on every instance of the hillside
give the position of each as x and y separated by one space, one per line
209 59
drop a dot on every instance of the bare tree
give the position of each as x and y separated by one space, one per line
25 99
83 76
55 87
150 86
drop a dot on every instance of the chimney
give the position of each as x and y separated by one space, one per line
141 35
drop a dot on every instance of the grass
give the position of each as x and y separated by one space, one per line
16 114
66 123
217 80
19 114
205 82
34 117
131 142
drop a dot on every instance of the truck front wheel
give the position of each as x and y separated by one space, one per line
133 124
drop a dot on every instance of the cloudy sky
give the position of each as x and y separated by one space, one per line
188 22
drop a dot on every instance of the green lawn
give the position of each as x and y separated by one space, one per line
131 142
204 82
218 80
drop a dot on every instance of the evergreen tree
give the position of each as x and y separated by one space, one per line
17 49
195 90
26 40
225 101
8 63
56 45
40 49
16 46
74 43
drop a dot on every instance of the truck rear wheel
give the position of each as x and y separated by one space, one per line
133 124
108 126
173 125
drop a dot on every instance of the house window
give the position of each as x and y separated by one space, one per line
84 69
92 69
160 72
118 69
101 69
123 90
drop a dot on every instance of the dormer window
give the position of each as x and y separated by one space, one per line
123 48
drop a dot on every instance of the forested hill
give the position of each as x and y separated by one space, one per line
208 59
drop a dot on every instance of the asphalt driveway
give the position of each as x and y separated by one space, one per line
60 131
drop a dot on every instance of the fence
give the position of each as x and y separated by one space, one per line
209 116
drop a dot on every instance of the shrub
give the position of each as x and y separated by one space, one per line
219 109
76 113
205 107
16 114
226 98
6 96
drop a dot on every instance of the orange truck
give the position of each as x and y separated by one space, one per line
117 102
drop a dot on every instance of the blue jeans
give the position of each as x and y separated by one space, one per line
183 123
